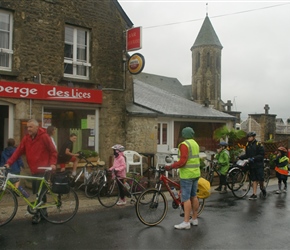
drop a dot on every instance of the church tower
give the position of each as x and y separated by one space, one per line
206 67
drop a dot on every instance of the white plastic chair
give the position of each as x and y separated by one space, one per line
161 160
133 159
174 155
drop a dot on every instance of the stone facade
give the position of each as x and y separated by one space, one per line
267 126
38 50
206 75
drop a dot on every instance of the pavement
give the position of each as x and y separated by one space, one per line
87 204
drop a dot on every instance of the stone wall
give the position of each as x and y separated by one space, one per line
38 45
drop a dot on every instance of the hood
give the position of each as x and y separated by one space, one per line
9 151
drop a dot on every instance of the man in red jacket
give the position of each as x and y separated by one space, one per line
39 151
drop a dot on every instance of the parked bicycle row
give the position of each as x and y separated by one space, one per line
56 200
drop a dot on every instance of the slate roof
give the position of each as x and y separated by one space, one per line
159 101
207 35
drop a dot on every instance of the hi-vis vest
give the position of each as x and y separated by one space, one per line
191 168
283 170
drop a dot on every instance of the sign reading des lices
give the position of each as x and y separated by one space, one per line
49 93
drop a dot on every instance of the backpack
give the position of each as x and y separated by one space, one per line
203 188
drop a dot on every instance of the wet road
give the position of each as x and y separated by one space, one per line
226 223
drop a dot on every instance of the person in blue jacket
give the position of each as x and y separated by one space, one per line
15 168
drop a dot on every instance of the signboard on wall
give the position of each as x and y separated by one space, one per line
134 39
49 92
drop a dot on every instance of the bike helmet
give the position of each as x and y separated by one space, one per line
223 144
282 149
119 147
252 133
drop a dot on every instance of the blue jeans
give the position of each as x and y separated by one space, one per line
188 188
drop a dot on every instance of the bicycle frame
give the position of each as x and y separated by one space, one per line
132 181
34 204
166 181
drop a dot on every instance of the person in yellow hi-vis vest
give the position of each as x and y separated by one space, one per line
189 171
281 169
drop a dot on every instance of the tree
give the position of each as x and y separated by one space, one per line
231 136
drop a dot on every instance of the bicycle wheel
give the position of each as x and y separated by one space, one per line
59 208
201 206
8 206
241 184
230 177
267 174
92 186
109 193
151 207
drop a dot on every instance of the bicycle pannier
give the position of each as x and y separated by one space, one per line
60 183
203 188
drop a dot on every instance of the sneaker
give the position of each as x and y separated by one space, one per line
264 192
278 191
194 222
284 190
253 197
36 219
121 203
183 225
218 189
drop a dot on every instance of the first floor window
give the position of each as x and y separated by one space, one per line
6 21
76 53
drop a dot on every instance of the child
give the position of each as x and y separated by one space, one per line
119 165
223 159
16 166
281 169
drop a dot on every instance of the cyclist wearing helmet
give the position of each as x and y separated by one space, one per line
223 159
281 169
119 165
255 154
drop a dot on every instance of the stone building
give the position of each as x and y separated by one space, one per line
63 63
206 66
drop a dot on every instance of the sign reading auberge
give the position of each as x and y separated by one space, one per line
50 93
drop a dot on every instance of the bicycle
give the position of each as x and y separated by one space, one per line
241 182
209 172
54 207
93 177
152 206
109 192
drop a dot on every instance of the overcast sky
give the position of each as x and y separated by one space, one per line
256 47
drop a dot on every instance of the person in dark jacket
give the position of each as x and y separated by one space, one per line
255 155
17 165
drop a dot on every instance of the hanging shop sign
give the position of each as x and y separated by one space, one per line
49 93
134 39
136 63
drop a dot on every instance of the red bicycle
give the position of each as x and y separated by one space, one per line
152 206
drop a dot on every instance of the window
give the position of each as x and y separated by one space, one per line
162 133
6 21
76 53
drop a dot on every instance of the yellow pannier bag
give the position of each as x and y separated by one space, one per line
203 188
